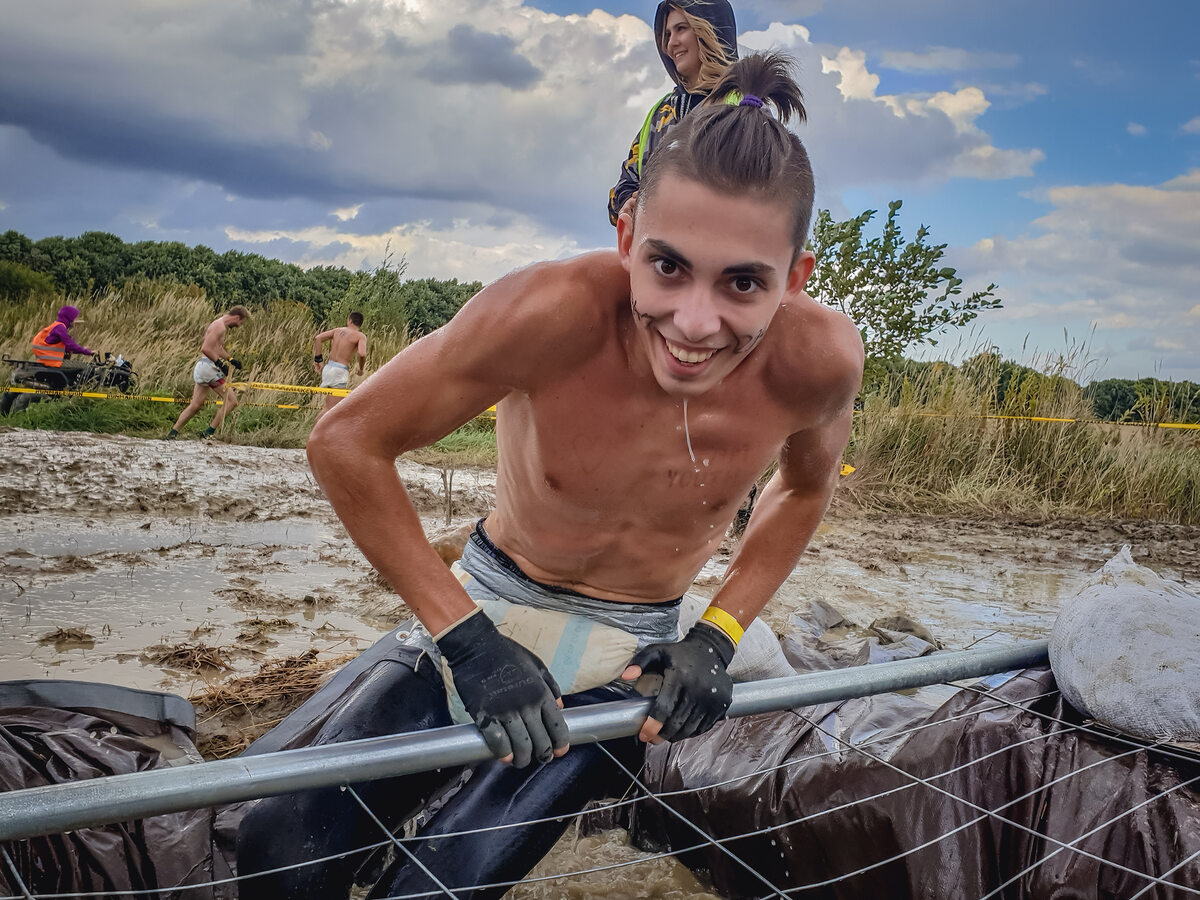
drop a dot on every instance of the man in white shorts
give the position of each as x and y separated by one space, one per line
344 343
209 373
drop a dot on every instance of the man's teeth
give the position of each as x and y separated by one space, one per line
688 356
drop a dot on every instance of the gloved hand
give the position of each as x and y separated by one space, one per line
223 366
506 689
236 363
696 688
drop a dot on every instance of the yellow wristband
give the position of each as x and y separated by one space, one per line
723 620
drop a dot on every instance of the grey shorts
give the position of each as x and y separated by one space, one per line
208 372
335 375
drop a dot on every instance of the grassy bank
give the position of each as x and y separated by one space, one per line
159 329
919 444
936 450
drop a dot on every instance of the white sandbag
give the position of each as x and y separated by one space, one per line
1126 651
758 655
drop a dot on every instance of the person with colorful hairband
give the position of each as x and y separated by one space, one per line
697 41
639 393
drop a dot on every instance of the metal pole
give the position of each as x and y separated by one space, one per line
118 798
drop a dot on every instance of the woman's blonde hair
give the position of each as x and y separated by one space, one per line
714 59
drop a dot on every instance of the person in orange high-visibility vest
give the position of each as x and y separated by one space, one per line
52 344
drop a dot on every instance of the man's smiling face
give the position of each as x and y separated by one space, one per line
707 272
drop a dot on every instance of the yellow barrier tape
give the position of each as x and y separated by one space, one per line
294 388
94 395
491 411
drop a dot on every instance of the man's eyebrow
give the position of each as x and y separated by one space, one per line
665 249
762 270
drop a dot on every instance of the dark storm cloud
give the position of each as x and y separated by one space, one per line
470 56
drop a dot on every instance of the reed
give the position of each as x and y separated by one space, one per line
929 444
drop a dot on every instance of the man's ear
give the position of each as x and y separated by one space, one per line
800 272
625 223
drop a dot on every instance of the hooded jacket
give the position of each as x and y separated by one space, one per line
671 109
52 343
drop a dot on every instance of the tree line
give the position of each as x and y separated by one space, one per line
96 261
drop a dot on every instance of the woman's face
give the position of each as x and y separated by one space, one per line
680 43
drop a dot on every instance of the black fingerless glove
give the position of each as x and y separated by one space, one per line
236 363
506 689
696 688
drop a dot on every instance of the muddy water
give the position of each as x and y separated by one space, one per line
112 546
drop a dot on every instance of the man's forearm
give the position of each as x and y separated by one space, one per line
370 499
782 524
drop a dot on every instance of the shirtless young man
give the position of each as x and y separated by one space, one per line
344 343
209 373
640 393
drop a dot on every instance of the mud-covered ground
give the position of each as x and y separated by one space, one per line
179 566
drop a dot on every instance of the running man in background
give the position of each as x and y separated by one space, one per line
344 343
53 343
639 393
210 371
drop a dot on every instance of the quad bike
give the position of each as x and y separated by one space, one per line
93 373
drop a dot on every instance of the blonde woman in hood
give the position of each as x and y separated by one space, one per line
697 40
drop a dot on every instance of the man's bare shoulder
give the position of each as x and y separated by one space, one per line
555 309
818 352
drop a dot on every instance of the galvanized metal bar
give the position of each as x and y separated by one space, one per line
119 798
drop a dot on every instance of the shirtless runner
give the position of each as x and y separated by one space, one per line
210 371
344 344
639 393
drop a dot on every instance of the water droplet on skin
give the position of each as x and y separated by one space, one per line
705 462
686 433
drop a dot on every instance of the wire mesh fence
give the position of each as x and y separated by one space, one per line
999 792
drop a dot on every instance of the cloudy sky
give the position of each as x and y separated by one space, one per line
1055 147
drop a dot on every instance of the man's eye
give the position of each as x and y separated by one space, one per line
665 266
744 284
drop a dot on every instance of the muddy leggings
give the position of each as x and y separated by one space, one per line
394 697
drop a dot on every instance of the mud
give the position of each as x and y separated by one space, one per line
185 566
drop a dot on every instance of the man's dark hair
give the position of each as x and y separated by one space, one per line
240 311
357 319
741 147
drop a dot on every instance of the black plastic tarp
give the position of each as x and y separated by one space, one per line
862 826
52 733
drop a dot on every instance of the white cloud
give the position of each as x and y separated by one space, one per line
1124 258
461 249
1136 129
1192 126
872 136
947 59
337 109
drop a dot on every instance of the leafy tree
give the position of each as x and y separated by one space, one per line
896 292
15 247
432 303
17 281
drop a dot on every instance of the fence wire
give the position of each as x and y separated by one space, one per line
1125 748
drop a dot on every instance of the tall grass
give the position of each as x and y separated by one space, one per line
920 443
159 328
935 450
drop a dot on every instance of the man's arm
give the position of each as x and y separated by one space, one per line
64 337
362 352
318 342
214 341
696 691
508 337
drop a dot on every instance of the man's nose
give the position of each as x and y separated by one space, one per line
697 316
